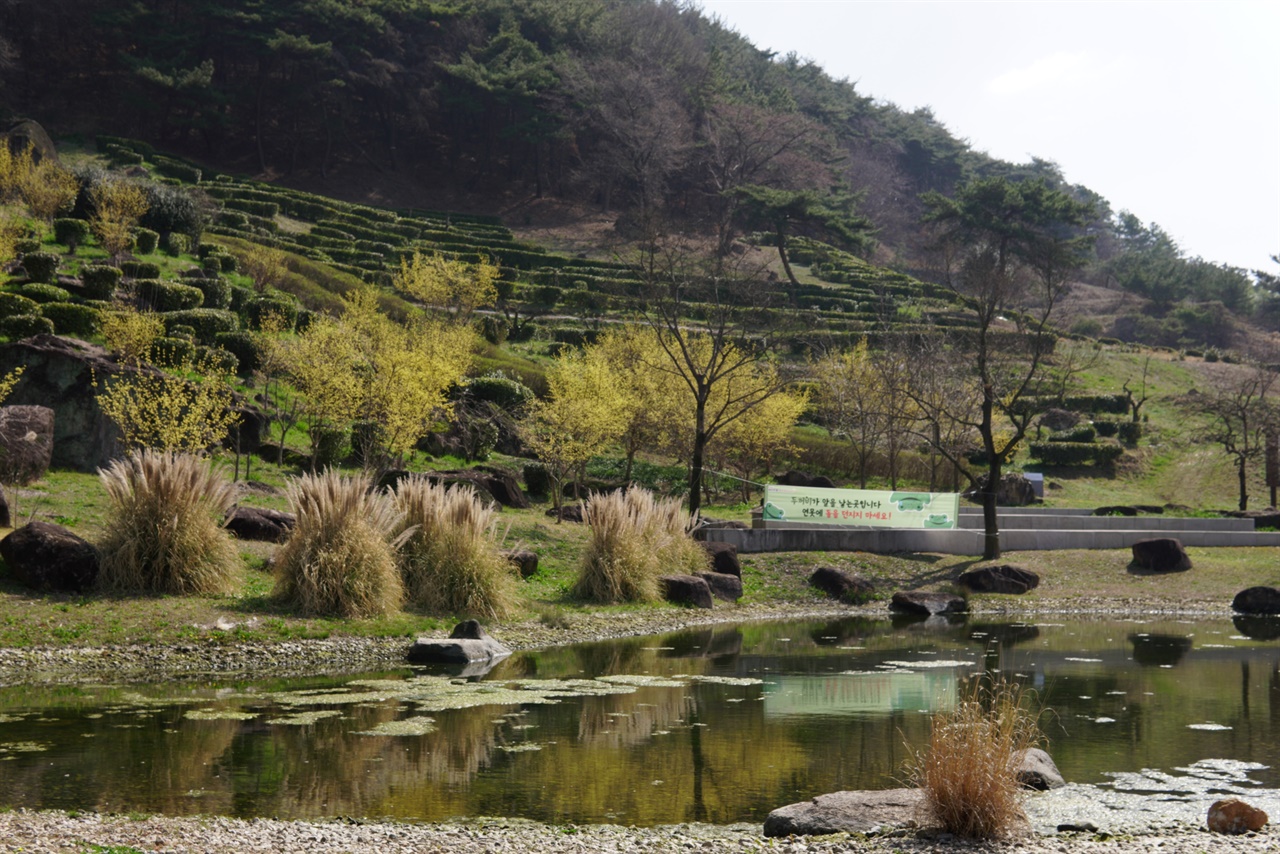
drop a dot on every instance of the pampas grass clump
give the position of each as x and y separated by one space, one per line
340 559
451 563
164 526
634 539
968 773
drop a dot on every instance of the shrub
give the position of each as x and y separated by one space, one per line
171 168
968 772
145 241
161 295
217 291
140 269
164 528
1106 429
328 445
207 323
14 304
40 266
450 562
70 232
217 359
1081 433
172 351
536 479
241 297
340 557
18 326
177 244
26 246
41 292
1075 453
502 392
1130 432
260 308
69 318
244 346
100 281
173 209
634 539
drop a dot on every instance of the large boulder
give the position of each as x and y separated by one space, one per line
61 373
26 443
504 488
467 643
842 585
927 604
846 812
261 524
1036 770
686 590
799 478
725 587
1005 578
45 556
1257 600
524 560
1160 555
1234 816
1014 490
724 557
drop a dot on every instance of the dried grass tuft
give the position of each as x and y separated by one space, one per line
164 526
634 539
968 773
340 558
451 562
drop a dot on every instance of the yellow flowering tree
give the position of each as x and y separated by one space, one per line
187 408
748 446
459 287
586 408
118 206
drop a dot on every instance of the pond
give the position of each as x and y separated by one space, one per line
717 725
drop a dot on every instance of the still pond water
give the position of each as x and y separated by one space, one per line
719 725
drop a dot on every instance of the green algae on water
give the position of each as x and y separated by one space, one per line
407 726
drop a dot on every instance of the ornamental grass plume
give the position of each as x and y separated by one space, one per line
164 526
340 559
451 562
968 772
634 539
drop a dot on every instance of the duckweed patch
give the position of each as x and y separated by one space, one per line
219 715
407 726
305 718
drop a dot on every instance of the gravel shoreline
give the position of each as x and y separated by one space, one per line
50 831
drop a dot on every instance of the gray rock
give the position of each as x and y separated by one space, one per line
261 524
686 590
1160 555
1036 770
468 642
1014 490
842 585
725 587
724 557
927 604
1257 600
1005 578
45 556
799 478
845 812
524 560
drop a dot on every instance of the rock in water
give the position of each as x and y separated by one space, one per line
845 812
927 604
1036 770
1257 600
468 642
1232 815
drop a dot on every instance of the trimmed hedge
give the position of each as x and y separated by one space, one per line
262 209
1130 432
12 305
25 325
70 232
100 281
40 266
172 351
41 292
1107 429
74 319
145 241
167 296
217 359
217 291
500 391
244 346
208 323
1080 433
140 269
1075 453
259 308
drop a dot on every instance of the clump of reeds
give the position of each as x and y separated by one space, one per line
451 562
340 558
968 772
634 539
164 526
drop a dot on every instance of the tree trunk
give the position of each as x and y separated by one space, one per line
695 462
786 264
990 521
1244 487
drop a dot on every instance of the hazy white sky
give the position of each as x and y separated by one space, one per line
1168 109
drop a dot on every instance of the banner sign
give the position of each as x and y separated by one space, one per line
861 507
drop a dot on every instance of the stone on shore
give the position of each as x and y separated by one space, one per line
1234 816
842 585
927 604
686 590
468 642
1257 600
845 812
525 561
1006 578
1036 770
261 524
725 587
45 556
1160 555
724 557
